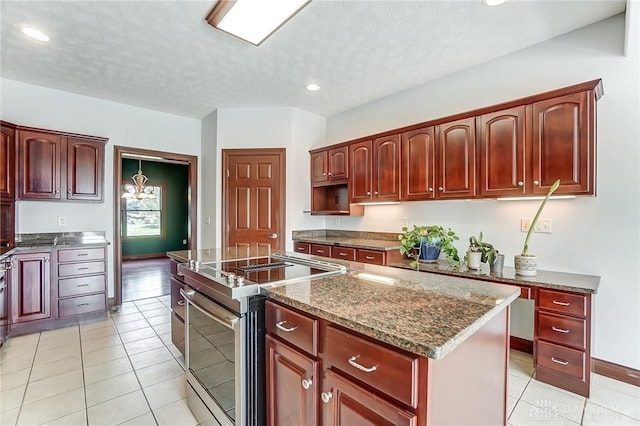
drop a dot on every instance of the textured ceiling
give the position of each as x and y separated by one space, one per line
162 55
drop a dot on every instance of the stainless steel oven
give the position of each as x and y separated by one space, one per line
225 329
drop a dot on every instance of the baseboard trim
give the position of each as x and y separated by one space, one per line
144 256
616 371
522 345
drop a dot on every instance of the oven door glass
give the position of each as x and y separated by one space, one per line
214 356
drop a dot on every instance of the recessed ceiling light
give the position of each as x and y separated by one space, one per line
313 87
35 34
493 2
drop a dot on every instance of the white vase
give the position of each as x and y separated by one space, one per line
474 259
526 266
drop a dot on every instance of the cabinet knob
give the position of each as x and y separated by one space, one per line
324 174
536 182
430 189
306 383
440 188
520 183
326 397
330 174
375 193
69 192
57 191
368 192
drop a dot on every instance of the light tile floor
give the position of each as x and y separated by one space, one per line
125 370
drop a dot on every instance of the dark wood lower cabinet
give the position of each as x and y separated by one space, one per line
31 287
347 404
292 386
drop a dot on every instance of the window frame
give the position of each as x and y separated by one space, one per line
163 213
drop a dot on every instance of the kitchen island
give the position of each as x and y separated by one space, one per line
378 344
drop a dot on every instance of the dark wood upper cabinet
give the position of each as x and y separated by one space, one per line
8 162
40 161
456 176
7 225
418 164
319 167
54 166
85 161
330 165
360 166
502 153
564 144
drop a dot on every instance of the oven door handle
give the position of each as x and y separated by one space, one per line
214 312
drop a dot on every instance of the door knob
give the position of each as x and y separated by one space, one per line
273 236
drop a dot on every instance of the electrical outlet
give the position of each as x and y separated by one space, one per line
525 224
208 220
337 221
543 225
184 241
62 221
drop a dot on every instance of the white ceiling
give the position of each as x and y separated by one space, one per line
163 56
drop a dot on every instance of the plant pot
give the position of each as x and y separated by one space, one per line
497 265
429 249
526 266
474 258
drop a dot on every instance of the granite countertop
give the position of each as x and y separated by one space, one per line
211 255
577 283
358 239
426 314
60 240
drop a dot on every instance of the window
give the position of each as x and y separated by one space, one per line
144 216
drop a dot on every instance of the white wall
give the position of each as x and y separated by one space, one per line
124 125
595 236
284 127
207 223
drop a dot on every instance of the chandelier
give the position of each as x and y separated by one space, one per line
138 190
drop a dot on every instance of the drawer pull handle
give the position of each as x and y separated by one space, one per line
83 304
320 251
555 302
179 274
83 285
285 329
559 330
82 254
83 269
353 363
181 340
342 254
181 302
326 397
559 361
369 257
306 383
300 248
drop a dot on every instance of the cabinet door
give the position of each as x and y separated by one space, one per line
319 167
386 169
564 144
30 287
348 404
39 167
292 386
85 175
339 163
457 159
502 153
7 225
7 161
360 161
418 164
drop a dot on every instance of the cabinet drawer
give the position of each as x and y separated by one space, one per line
565 303
75 255
387 370
321 250
561 359
297 329
70 269
302 247
562 330
81 285
81 305
177 333
177 301
370 256
343 253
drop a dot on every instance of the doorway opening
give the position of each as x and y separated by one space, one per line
146 227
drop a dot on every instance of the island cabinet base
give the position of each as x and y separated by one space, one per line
343 378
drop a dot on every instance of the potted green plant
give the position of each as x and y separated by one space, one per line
424 243
479 252
527 264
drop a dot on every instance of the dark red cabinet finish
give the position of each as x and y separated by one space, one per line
419 164
457 159
31 287
330 165
55 166
375 170
7 162
7 225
